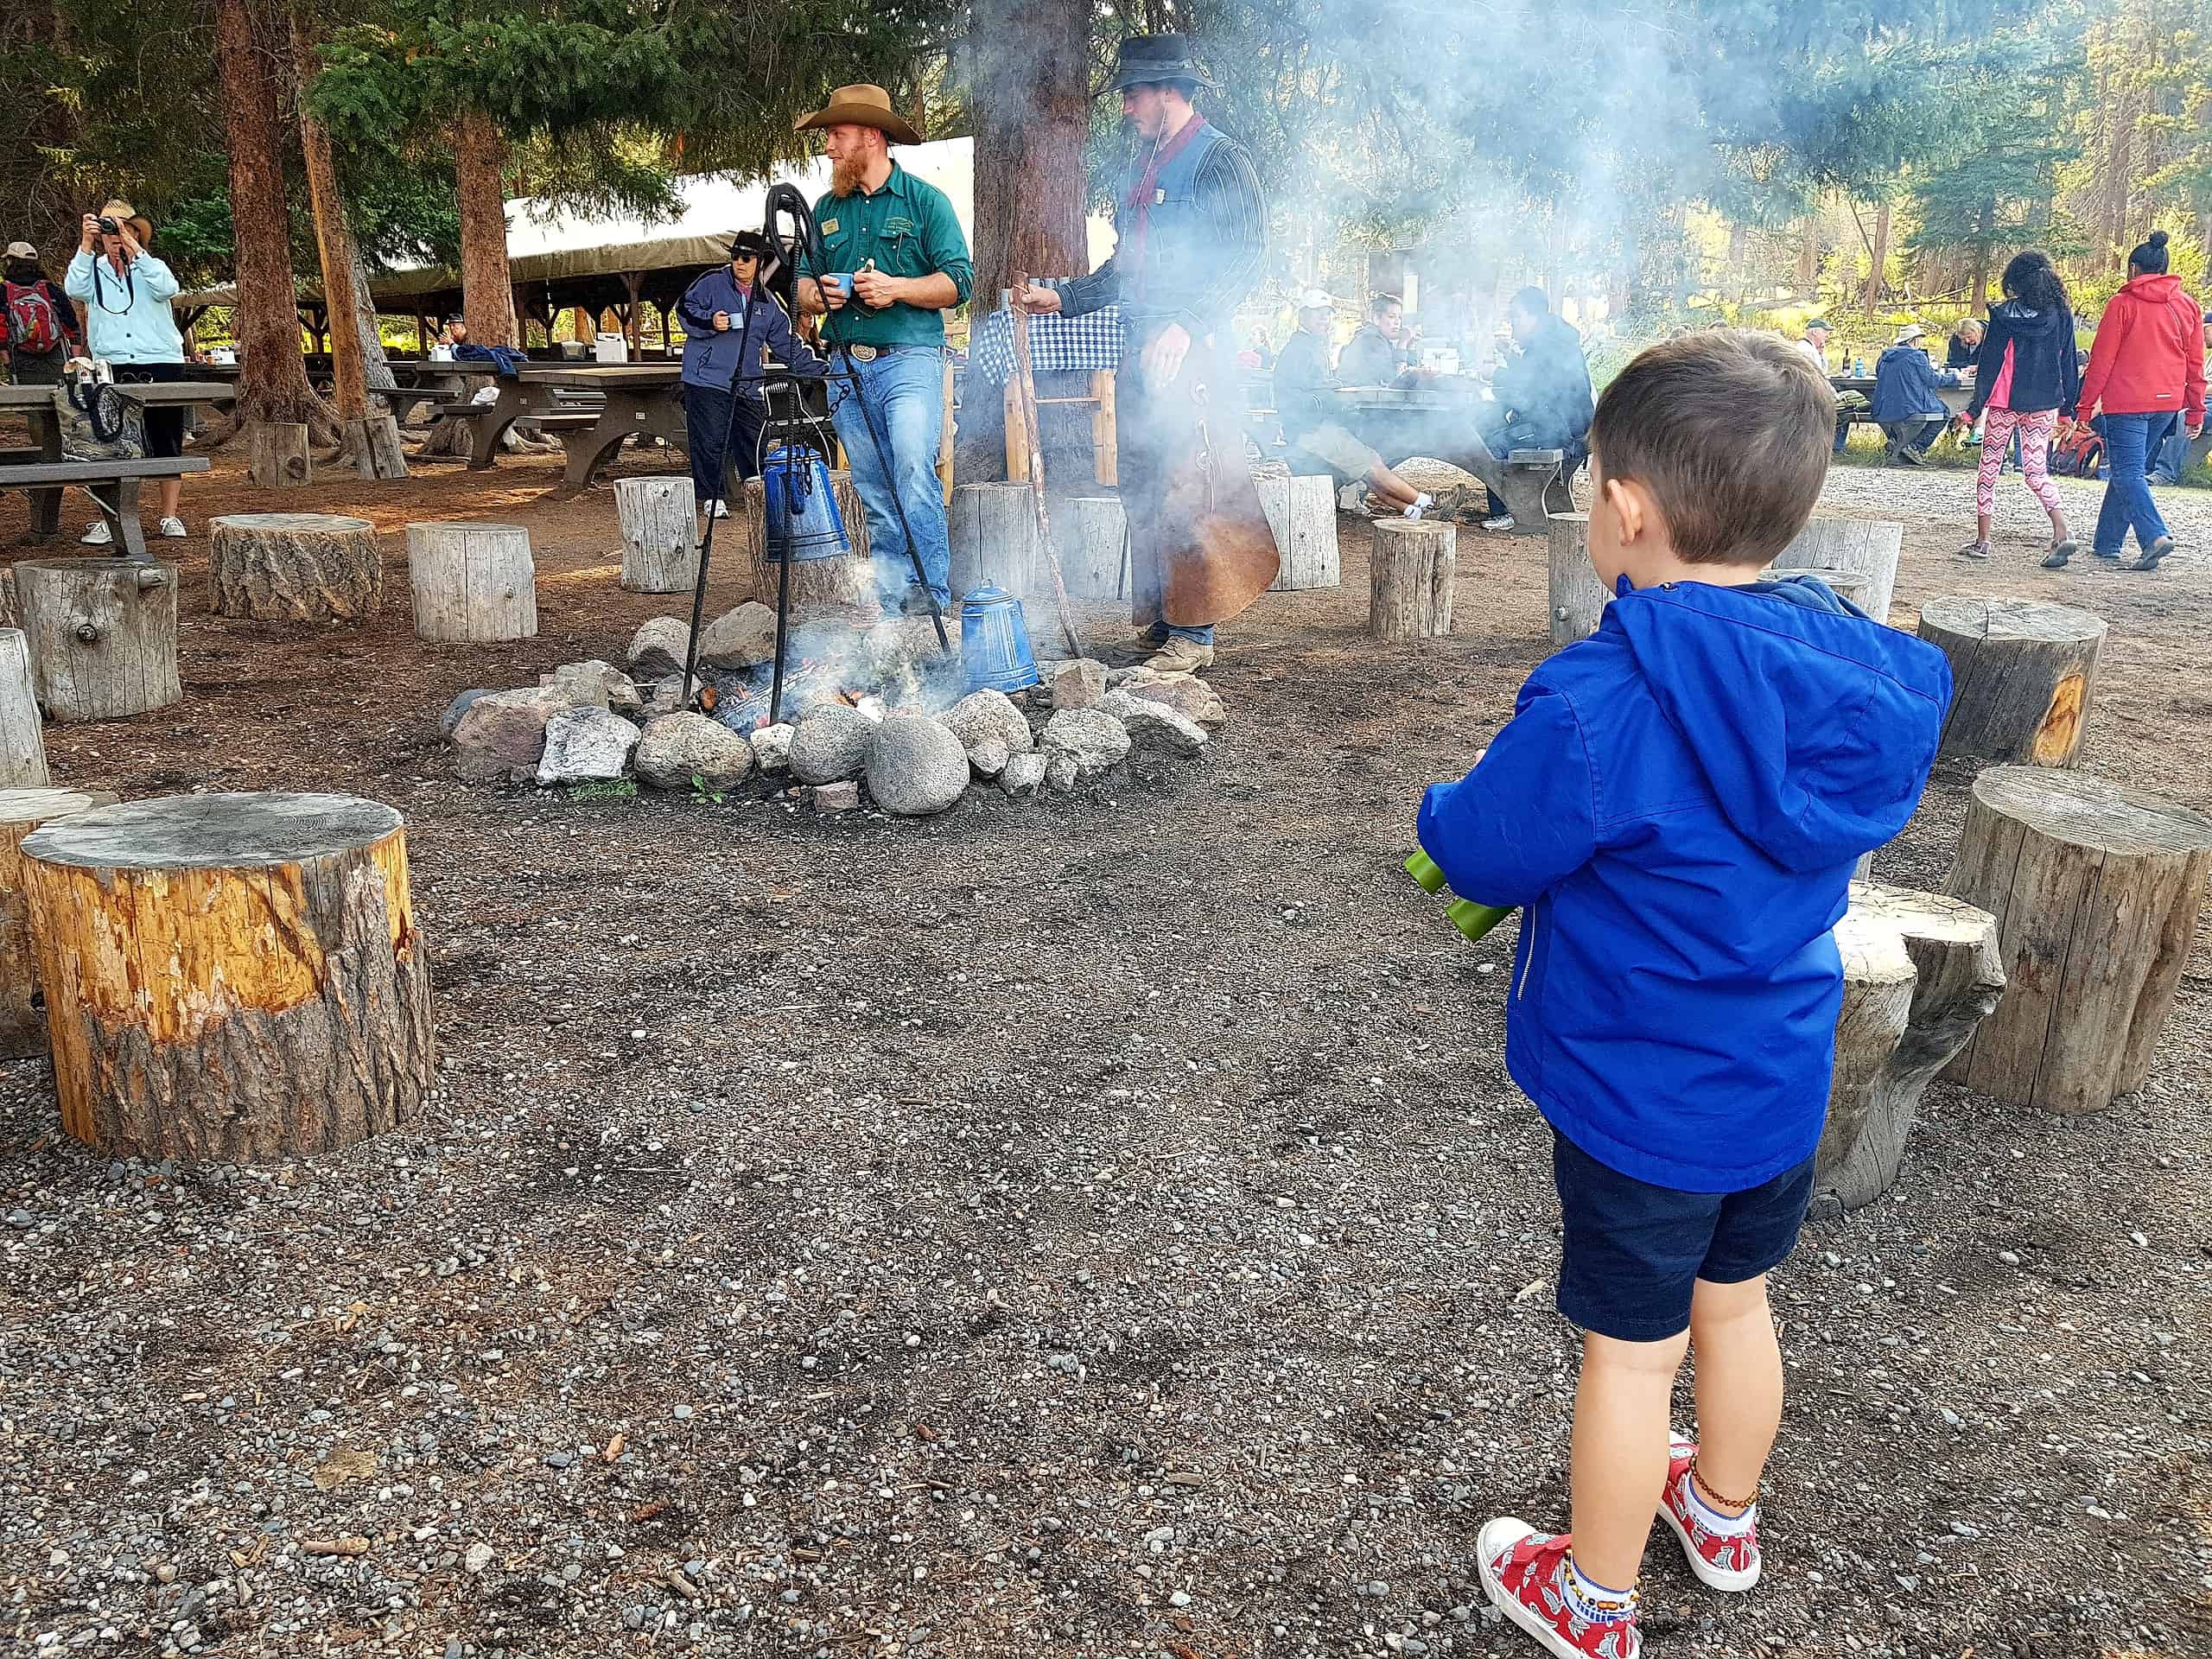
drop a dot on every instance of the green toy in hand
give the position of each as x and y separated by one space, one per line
1470 918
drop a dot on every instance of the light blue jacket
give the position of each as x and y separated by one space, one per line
127 318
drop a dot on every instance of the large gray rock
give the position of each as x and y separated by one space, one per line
665 695
584 746
740 637
456 708
657 649
1186 694
678 748
1093 739
988 758
592 684
1078 683
916 766
1155 726
772 748
502 734
989 714
1024 774
831 744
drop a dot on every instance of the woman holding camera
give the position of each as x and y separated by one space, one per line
126 292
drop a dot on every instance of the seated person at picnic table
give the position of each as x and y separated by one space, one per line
1543 392
1907 404
1306 403
1379 351
729 320
1964 343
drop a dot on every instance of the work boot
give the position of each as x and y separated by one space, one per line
2153 554
1181 656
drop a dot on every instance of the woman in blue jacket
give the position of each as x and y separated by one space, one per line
2028 376
1906 400
126 293
729 320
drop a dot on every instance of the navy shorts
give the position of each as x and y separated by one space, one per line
1632 1252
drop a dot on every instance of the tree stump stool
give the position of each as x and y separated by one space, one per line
817 585
102 635
294 567
23 737
1578 597
2021 673
1410 565
1101 530
277 453
993 529
1920 973
22 1005
1869 546
472 583
1302 513
660 533
2096 890
232 976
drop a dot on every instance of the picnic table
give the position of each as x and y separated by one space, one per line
1954 397
43 471
1438 418
634 400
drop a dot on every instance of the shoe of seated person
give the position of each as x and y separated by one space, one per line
1503 521
96 534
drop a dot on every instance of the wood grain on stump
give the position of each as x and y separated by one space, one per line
23 736
103 635
660 519
472 582
817 585
993 530
1869 546
2023 672
232 976
1920 973
294 567
22 1007
1410 566
2096 890
1577 598
277 455
1094 568
1302 512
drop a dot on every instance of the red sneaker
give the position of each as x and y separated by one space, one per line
1729 1563
1524 1575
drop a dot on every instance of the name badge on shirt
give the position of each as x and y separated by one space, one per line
828 227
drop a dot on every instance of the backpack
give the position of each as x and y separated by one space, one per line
2080 455
32 325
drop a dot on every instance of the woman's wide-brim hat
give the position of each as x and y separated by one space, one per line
861 106
1147 59
141 226
752 243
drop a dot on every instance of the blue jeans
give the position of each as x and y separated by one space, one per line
2169 459
903 392
2129 440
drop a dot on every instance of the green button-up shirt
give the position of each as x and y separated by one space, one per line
907 227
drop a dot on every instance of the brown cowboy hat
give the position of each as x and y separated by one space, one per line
122 213
861 106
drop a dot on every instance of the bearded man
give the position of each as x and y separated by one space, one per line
894 261
1191 235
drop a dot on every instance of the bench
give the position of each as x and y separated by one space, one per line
114 486
1537 484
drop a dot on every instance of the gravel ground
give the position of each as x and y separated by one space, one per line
1087 1227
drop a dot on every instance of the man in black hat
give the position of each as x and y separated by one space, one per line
729 320
1190 229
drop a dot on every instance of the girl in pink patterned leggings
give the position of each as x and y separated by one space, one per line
2027 375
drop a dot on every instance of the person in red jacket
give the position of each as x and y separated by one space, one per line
2146 370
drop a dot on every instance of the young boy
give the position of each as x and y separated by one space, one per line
1676 805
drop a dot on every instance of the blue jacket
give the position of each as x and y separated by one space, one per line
1905 382
711 358
127 318
1676 803
2046 366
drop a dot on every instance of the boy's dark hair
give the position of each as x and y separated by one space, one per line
1730 431
2029 276
2149 256
1381 303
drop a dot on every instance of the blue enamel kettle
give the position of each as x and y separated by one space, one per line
994 641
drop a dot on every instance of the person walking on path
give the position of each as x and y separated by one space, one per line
2027 376
128 323
2145 369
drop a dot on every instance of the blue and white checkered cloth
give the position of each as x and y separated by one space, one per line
1056 343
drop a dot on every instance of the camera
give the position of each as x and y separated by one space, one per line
109 227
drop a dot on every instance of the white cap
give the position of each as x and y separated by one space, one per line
22 250
1315 299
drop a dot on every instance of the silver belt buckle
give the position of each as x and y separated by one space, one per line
864 353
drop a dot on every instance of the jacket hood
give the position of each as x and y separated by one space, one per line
1859 706
1910 348
2153 289
2025 319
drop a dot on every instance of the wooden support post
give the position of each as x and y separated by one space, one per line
1017 434
295 567
1101 527
660 533
102 635
1410 567
277 455
472 582
1302 513
944 441
994 536
23 1004
1868 545
1105 435
1577 598
1920 973
232 976
23 736
2021 674
817 585
2096 890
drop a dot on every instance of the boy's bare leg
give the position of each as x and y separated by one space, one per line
1619 1452
1738 1369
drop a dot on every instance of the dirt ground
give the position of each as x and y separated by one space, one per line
1091 1226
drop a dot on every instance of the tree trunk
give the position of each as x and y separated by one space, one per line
294 567
22 739
472 582
1032 188
1978 278
1577 598
660 533
22 1007
376 369
1411 563
272 375
1302 513
486 289
992 530
1881 253
102 635
2023 671
842 584
1808 255
1868 546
